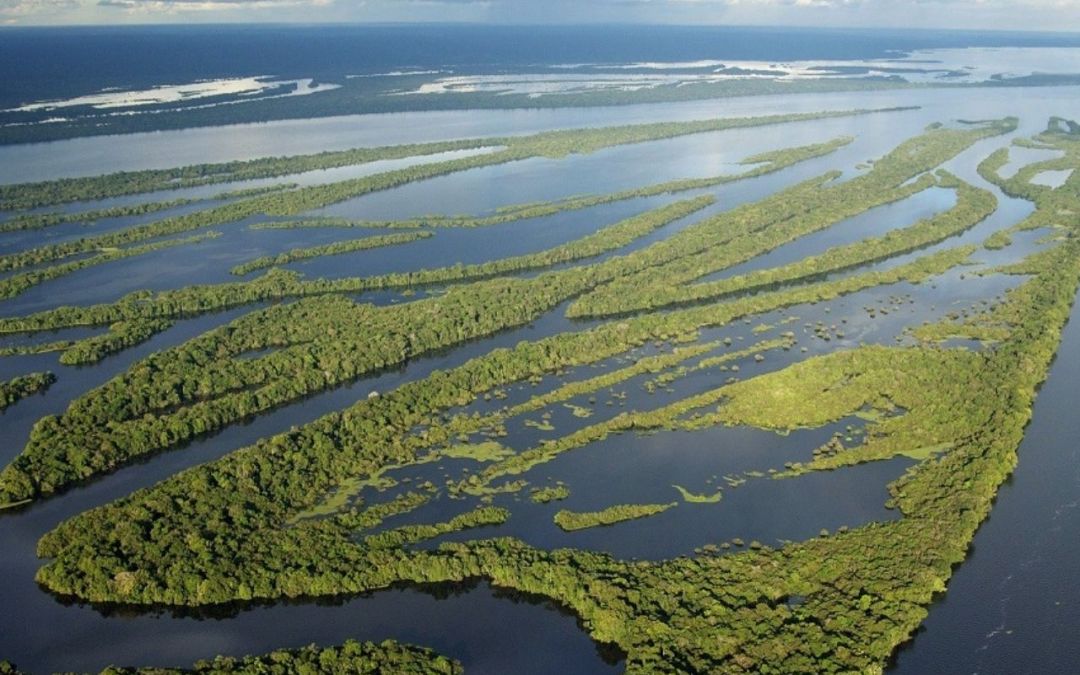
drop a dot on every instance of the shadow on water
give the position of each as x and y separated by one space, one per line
490 629
458 592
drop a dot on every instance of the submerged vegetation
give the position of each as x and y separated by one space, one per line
300 514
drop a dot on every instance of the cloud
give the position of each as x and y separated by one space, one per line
13 12
174 6
29 7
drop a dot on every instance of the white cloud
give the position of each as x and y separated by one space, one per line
29 7
173 6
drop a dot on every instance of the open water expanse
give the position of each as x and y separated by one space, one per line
1012 607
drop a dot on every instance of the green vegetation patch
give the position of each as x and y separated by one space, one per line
356 658
25 385
553 493
335 248
410 534
488 451
571 521
694 498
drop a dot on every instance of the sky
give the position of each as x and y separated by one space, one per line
1038 15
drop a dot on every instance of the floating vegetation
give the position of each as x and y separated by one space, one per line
548 494
694 498
579 411
488 451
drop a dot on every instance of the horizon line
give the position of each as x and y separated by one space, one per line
496 24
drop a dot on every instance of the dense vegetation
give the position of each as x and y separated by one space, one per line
323 341
121 335
758 227
162 403
551 493
356 658
372 434
409 534
36 221
915 156
90 188
606 239
336 248
573 520
23 386
287 517
973 205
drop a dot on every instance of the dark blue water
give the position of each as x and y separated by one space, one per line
42 63
49 64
